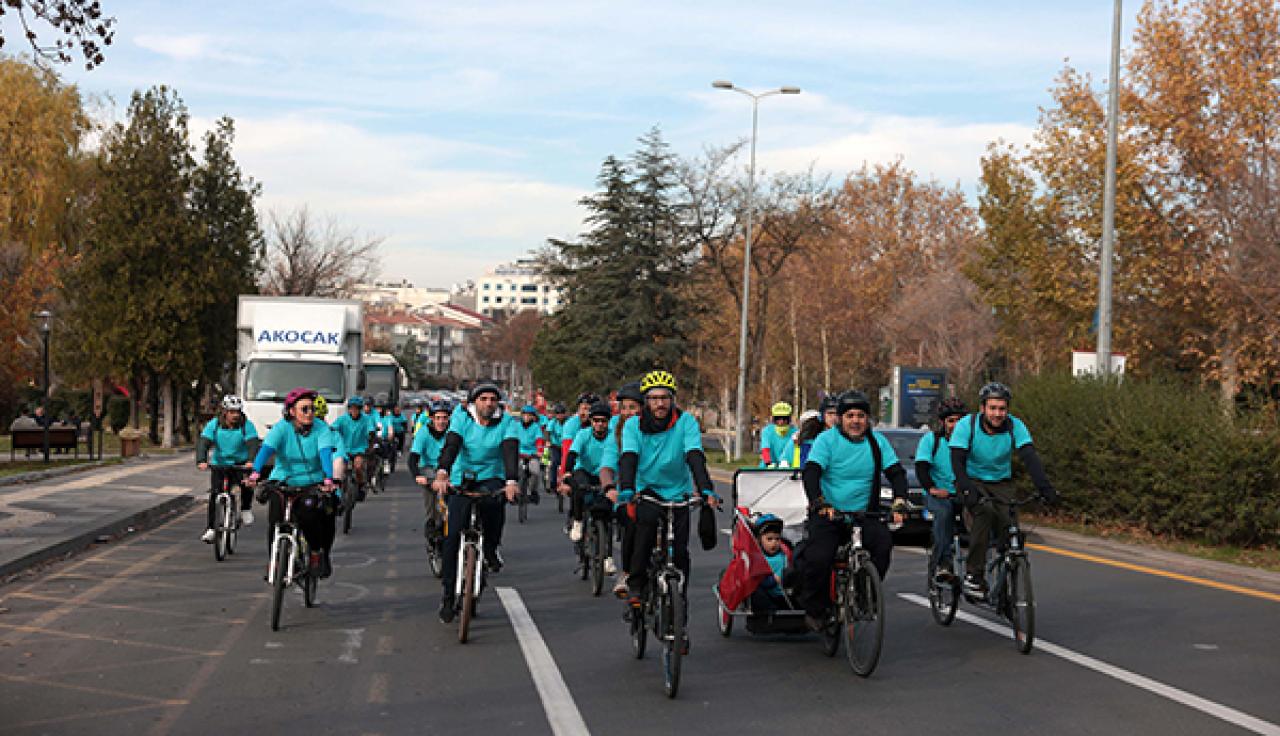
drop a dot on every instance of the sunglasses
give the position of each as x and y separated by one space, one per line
308 409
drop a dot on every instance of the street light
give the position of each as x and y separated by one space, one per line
740 418
1109 202
44 315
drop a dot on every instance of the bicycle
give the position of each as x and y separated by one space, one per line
226 514
290 560
375 463
664 602
1011 595
522 498
470 568
857 618
436 535
597 540
350 497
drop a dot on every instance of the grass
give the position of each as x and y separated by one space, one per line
18 467
1263 558
110 442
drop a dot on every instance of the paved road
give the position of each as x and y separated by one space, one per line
152 636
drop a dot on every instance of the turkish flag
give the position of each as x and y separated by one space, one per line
748 566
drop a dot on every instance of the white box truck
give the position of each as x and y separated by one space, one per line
383 378
287 341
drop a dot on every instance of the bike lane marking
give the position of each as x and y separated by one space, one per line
1275 598
562 712
1208 707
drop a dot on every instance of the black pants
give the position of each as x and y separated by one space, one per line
581 483
555 464
216 475
989 517
314 515
492 512
648 518
814 558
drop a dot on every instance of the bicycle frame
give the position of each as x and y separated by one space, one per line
286 532
472 536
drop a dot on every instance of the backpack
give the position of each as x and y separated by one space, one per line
973 429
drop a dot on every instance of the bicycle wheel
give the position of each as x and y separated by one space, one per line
724 617
310 578
522 503
435 556
468 592
560 503
233 520
599 538
639 637
1021 603
863 623
673 641
348 510
830 634
944 598
381 477
280 564
221 530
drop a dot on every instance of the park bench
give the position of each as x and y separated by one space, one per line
60 438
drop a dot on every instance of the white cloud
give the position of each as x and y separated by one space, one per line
189 47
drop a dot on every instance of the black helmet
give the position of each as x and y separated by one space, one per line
994 390
853 399
828 403
587 398
631 390
483 388
558 408
951 407
600 409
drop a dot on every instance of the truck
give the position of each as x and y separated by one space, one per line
287 341
384 378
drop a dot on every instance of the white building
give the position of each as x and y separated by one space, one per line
515 287
399 296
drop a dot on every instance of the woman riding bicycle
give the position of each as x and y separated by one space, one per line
592 461
528 432
234 442
933 468
303 453
355 427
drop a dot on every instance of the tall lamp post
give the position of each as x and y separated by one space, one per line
1109 202
45 316
740 418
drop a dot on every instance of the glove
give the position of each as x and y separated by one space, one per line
1050 495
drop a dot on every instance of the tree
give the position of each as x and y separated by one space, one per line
310 258
79 23
411 361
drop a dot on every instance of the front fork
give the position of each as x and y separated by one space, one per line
281 539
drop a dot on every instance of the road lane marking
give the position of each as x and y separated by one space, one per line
1208 707
1275 598
135 609
82 716
105 640
378 689
562 713
354 640
92 690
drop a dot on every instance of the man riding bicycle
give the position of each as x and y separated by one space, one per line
982 447
776 449
480 455
630 402
529 432
592 462
555 435
424 458
842 476
234 442
575 424
933 468
356 428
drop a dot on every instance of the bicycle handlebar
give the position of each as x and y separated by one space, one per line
688 502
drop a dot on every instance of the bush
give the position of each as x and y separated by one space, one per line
117 413
1161 455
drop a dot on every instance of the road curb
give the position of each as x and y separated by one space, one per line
87 536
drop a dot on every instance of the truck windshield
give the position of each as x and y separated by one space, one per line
380 383
272 380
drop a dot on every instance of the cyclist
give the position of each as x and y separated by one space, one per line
399 428
982 447
424 457
482 452
661 447
592 462
574 424
529 432
775 440
355 428
630 402
234 441
842 474
802 441
827 407
933 468
339 451
303 453
555 435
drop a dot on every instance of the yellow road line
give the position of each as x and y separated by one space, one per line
94 690
1273 597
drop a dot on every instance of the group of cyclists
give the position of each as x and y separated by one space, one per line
609 455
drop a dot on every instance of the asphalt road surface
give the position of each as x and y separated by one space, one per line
151 635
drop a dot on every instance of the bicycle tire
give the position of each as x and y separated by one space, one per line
234 536
1021 603
468 593
673 644
348 510
863 619
522 503
560 503
639 636
830 634
220 529
310 578
944 599
280 563
435 558
599 538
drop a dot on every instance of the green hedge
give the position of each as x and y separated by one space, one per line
1157 454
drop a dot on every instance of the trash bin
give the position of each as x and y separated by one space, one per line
130 443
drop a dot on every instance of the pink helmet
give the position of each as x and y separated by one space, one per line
296 395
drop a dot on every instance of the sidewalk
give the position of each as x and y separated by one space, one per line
49 518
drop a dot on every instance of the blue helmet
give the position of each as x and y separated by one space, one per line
768 523
440 406
529 409
355 401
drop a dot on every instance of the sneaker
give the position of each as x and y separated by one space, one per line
944 576
246 517
533 499
814 623
493 562
975 585
609 567
447 609
620 586
575 532
208 536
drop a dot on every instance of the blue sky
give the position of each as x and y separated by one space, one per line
464 133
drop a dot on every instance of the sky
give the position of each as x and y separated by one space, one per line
465 133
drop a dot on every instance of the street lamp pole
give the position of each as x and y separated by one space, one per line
44 316
1109 202
740 417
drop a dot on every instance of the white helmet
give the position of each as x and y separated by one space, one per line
231 402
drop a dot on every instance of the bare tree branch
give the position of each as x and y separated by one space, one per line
310 258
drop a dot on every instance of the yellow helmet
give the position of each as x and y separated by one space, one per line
781 409
322 407
658 379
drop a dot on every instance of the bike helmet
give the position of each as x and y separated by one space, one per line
231 402
780 409
809 414
828 403
658 379
994 390
483 388
322 407
296 395
355 401
529 409
951 407
768 523
600 409
630 390
559 408
440 406
587 398
853 399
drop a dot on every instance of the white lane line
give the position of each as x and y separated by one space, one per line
557 701
354 640
1208 707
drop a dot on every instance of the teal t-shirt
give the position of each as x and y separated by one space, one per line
937 452
661 466
780 447
593 453
335 439
399 423
428 447
528 436
297 459
848 467
229 445
555 431
572 426
355 432
481 452
991 455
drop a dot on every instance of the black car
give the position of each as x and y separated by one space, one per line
904 441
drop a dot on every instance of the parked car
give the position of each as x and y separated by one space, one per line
916 526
